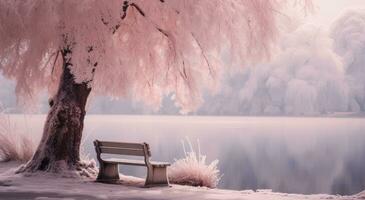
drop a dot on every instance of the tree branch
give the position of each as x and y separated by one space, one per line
203 54
54 62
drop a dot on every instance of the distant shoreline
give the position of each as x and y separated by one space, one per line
330 115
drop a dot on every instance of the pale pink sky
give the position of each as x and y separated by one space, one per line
328 10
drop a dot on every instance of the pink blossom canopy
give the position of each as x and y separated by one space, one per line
141 49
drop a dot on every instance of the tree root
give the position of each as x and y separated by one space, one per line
82 169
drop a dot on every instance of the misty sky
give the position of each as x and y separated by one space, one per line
328 10
328 81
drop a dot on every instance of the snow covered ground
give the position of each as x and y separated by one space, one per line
45 186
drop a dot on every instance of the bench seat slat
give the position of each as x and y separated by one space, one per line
155 163
134 162
123 151
125 161
121 145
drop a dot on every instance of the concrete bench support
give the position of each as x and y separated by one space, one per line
157 175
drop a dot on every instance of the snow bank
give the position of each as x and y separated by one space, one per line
193 170
50 186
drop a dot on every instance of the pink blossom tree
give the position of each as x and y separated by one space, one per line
140 49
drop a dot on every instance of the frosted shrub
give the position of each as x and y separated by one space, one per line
193 170
14 145
87 166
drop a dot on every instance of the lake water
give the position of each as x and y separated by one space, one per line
295 155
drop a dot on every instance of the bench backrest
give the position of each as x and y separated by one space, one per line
122 148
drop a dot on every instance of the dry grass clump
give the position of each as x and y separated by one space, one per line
193 170
14 146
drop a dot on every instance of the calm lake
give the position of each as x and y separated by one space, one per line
285 154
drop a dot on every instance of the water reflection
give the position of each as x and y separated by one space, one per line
295 155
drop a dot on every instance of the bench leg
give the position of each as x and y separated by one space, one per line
108 173
157 176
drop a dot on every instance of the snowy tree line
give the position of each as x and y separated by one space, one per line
316 71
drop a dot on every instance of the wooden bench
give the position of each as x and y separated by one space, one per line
156 171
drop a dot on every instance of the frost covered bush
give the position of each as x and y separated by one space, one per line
193 170
87 166
14 145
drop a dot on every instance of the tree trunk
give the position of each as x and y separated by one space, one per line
59 147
